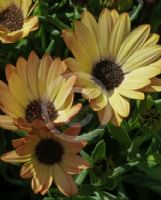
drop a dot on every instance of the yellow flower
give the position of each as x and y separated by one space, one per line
37 90
14 21
47 157
112 62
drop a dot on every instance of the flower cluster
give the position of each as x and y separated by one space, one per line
111 64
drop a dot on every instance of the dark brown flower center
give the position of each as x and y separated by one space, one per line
108 74
12 18
40 110
49 151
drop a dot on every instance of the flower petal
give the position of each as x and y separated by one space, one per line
67 115
132 43
105 114
7 122
105 23
118 34
119 104
64 181
155 86
141 58
13 157
99 103
130 93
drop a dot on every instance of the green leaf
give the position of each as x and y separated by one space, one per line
146 104
81 177
91 135
99 152
86 190
120 135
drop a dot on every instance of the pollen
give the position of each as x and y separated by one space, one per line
40 110
108 74
12 18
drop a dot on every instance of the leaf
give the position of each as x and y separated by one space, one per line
143 181
120 135
86 190
91 135
136 143
99 152
146 104
81 177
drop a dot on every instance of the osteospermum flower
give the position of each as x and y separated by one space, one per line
37 91
112 62
49 157
14 20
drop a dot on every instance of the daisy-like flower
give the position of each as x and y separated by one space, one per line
49 157
112 62
14 21
38 90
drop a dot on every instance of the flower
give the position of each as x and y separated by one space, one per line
47 157
37 91
14 21
112 63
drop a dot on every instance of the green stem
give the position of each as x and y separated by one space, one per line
54 21
137 10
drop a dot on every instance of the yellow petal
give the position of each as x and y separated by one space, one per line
104 30
25 7
68 103
9 102
155 86
21 67
116 119
30 24
67 115
134 83
141 58
4 4
7 122
151 41
16 87
118 34
99 103
32 73
115 16
144 72
78 50
56 69
43 73
64 92
119 104
132 43
89 21
88 41
53 88
88 87
130 93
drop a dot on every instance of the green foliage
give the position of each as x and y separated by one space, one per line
125 161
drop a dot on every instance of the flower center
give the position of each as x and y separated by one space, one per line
49 151
12 18
40 110
108 74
